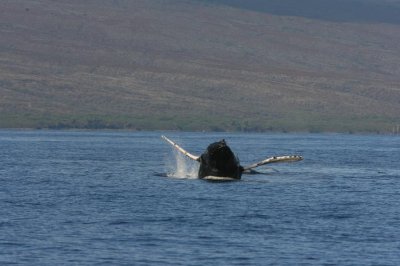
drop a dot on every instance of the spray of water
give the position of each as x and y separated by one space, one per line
179 166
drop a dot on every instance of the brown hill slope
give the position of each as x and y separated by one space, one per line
153 64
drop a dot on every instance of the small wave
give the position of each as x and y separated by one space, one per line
337 216
119 222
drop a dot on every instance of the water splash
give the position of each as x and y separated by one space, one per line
181 167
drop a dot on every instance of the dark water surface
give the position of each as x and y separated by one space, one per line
89 198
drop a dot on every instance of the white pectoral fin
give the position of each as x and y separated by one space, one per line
180 149
275 159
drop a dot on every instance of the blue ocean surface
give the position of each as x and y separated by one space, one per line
126 198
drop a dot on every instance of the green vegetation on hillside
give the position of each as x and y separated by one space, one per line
194 123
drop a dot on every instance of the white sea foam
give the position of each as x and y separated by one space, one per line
179 166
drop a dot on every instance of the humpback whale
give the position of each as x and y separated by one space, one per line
218 162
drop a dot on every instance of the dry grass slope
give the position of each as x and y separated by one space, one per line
153 64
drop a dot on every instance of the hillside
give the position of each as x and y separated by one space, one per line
194 65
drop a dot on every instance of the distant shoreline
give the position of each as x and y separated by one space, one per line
194 131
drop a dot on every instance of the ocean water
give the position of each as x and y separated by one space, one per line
126 198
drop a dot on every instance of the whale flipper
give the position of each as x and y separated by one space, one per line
275 159
180 149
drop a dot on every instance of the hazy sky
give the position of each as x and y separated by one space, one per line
386 11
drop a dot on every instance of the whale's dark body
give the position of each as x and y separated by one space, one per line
219 160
